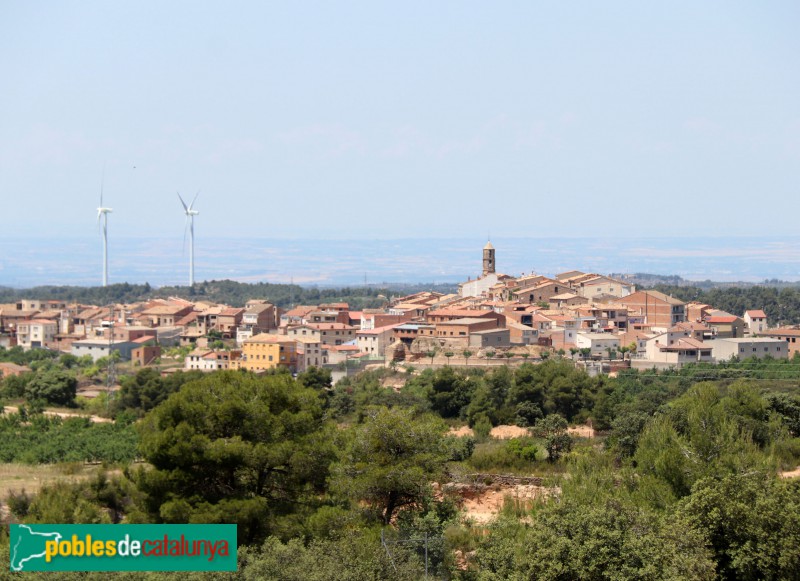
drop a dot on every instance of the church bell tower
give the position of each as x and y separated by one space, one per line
488 259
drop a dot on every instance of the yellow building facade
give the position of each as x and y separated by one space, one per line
267 351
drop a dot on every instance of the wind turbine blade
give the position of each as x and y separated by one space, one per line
185 208
194 200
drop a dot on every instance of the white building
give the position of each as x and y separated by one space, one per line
207 360
599 343
98 348
676 350
746 347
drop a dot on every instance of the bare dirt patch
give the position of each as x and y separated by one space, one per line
396 382
583 431
31 478
482 504
791 473
508 432
96 419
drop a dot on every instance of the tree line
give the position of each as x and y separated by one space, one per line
781 305
221 291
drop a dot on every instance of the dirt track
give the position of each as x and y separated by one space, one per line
97 419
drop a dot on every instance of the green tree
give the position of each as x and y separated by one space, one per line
145 390
557 440
467 354
316 378
431 354
390 460
753 524
54 386
448 391
234 447
602 540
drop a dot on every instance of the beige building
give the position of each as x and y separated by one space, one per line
37 333
791 335
375 341
310 353
755 321
490 339
334 333
726 326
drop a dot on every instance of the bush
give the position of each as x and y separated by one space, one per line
516 455
53 386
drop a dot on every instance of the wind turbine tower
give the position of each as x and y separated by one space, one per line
190 214
102 216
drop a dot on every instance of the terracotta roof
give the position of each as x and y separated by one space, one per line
300 311
651 293
564 296
343 348
187 319
782 331
258 308
684 343
464 321
756 314
268 338
377 330
459 313
165 310
730 319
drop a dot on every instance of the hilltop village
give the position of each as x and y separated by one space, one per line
602 323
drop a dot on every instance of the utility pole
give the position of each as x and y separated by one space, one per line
110 371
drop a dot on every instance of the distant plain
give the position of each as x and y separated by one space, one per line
26 263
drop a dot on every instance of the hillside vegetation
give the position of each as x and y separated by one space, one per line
684 483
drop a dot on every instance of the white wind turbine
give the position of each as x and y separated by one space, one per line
102 216
190 214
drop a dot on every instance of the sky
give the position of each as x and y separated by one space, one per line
381 120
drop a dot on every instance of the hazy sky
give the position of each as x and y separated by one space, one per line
401 119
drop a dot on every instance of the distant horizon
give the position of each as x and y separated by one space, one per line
346 262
